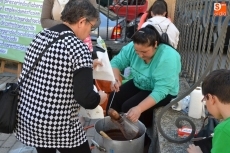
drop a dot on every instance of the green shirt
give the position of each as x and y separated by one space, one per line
221 138
161 75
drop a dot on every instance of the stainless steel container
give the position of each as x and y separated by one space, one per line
114 146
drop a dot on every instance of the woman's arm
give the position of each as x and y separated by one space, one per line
123 58
115 86
86 96
134 113
46 16
119 63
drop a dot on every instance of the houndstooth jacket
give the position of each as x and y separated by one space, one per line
49 97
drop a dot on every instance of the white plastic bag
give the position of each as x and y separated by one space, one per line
182 104
104 72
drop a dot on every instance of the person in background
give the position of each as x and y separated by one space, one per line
155 67
216 89
52 93
51 16
51 12
148 15
163 24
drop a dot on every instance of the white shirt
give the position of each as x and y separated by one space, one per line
164 23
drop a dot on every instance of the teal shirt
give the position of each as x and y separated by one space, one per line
161 75
221 138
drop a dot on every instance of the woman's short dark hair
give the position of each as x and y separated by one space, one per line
148 36
218 83
76 9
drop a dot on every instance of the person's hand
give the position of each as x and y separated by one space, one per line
115 86
103 96
194 149
96 63
134 113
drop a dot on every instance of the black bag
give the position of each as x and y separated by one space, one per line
9 98
8 105
204 137
164 35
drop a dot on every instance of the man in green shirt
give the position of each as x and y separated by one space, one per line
216 89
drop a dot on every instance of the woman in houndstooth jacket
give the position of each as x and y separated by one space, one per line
50 97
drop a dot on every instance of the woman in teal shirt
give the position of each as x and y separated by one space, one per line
155 68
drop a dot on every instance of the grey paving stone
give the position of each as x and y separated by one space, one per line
26 149
17 145
7 74
4 136
9 142
5 78
1 142
16 150
4 150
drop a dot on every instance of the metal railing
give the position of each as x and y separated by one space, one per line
122 9
204 47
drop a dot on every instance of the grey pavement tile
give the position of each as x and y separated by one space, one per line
1 142
4 150
2 82
4 136
27 149
7 74
16 150
17 145
9 142
11 78
4 78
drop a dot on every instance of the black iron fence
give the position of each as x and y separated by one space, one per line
204 27
117 14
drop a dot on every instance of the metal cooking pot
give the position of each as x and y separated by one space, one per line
114 146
